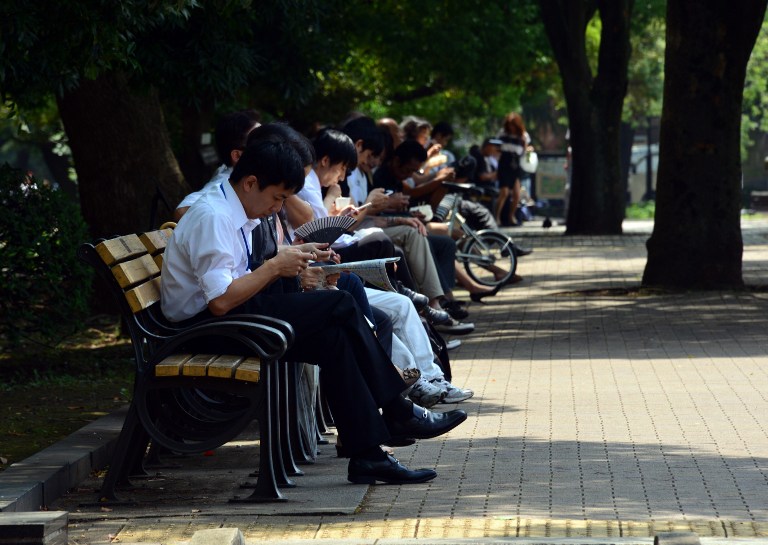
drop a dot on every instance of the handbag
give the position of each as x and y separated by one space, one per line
529 162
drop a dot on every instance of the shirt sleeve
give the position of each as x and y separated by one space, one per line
215 255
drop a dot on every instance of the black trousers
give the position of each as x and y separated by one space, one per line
356 373
444 253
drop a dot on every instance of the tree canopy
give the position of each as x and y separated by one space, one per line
138 82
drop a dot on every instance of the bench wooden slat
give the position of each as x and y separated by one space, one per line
211 365
224 366
172 365
144 295
156 241
159 261
197 365
135 271
120 249
249 370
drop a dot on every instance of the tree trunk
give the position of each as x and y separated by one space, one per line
696 240
598 194
122 155
194 122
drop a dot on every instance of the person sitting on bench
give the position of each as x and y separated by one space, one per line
205 273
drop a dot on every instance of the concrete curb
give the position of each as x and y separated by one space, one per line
37 481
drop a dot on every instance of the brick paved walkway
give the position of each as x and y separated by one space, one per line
610 414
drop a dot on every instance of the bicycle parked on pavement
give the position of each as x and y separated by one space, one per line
488 255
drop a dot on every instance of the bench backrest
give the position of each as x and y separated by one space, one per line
135 262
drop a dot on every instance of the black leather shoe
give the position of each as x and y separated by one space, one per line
419 299
436 317
400 441
521 252
478 297
388 471
456 311
429 425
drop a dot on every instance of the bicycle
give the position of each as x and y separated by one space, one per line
488 255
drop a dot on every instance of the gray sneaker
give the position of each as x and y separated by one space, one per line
455 327
453 394
426 394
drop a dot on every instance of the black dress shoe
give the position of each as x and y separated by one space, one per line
521 252
388 471
419 299
478 297
427 426
400 441
453 308
436 317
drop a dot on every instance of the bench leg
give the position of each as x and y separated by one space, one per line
322 424
302 451
128 453
266 488
289 422
283 480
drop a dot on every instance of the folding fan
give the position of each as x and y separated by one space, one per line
326 229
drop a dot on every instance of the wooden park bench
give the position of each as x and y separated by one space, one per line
196 387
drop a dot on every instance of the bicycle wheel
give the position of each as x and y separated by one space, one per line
489 258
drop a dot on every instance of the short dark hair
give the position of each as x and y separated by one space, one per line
412 126
442 127
410 150
300 143
232 132
364 128
273 161
337 146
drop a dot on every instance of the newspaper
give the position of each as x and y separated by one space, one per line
373 271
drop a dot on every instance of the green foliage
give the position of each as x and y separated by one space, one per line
754 116
50 47
44 288
646 72
469 62
645 210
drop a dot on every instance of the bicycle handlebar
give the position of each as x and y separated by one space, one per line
464 188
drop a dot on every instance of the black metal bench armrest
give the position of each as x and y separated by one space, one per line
268 343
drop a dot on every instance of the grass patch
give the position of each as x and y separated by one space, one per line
48 392
643 210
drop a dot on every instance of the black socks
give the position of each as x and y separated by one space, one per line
398 410
373 454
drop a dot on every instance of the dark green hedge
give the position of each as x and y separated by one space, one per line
44 288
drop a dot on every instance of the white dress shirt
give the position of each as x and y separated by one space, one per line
358 186
208 250
221 175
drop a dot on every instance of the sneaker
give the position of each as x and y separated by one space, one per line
426 394
452 393
453 344
455 327
435 316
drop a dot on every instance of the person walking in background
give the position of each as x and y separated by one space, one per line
514 141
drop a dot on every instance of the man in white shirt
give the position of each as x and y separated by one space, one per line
206 273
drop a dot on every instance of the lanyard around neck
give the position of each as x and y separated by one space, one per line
245 240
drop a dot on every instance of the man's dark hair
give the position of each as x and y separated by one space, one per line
410 150
364 128
412 126
442 127
337 146
232 132
300 143
273 161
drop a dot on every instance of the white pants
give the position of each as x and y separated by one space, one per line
410 342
